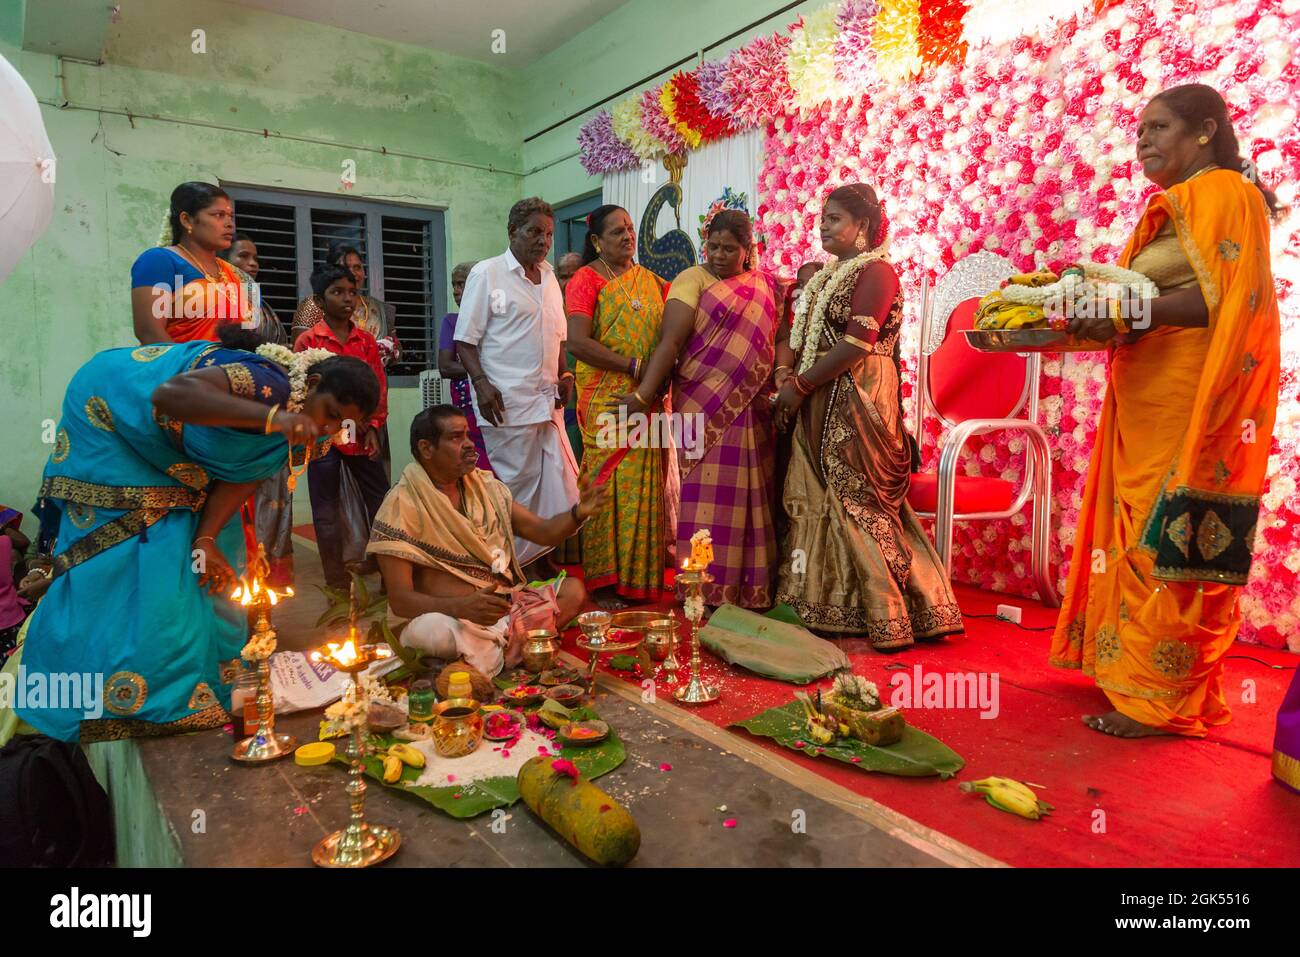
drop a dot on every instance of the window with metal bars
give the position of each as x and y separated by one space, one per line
403 248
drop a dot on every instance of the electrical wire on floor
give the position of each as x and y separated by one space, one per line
1010 622
1263 662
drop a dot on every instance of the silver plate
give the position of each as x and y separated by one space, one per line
1029 340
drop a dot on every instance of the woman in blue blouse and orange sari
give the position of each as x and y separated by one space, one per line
185 292
156 449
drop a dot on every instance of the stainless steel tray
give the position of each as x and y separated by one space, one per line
1029 340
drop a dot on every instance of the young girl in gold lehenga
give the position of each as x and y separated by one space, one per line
855 560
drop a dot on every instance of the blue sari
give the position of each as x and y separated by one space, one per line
125 487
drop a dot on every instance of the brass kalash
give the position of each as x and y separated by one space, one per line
253 593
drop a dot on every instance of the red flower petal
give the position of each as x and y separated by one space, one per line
729 822
451 777
604 808
801 744
855 760
665 766
565 767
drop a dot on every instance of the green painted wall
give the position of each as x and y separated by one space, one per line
70 296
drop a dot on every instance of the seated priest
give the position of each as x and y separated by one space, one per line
444 539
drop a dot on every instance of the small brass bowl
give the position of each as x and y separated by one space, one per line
457 727
659 638
540 650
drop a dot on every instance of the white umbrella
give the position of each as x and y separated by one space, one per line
27 169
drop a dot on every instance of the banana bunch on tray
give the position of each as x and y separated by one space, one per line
1044 300
996 311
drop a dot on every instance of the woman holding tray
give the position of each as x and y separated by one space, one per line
1167 525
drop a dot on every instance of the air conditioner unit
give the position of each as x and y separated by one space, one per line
434 389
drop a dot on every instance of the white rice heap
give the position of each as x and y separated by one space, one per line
485 762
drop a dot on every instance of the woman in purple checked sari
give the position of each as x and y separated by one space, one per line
719 330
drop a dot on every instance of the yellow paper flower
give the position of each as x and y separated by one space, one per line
897 54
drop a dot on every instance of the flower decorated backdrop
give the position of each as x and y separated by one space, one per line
1008 125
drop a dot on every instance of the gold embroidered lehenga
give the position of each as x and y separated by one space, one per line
855 559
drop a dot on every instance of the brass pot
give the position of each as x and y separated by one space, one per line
540 650
659 637
457 727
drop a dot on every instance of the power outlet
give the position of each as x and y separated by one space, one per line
1009 613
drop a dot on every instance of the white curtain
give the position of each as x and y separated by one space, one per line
734 162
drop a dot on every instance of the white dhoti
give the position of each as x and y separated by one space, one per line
537 464
483 647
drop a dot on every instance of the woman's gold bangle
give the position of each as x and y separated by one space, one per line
269 416
640 398
1116 317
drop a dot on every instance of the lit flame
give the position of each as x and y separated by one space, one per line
345 654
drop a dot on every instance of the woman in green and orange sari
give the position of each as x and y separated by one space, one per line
1167 526
615 308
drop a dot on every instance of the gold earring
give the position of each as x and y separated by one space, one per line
861 241
597 245
1203 140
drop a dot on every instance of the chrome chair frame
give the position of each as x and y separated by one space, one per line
972 276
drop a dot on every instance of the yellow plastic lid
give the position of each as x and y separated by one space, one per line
459 676
317 752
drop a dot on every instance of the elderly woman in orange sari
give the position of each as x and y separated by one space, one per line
1167 525
615 308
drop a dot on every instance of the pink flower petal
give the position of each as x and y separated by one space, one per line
729 822
300 809
855 760
228 728
456 797
451 777
665 766
801 744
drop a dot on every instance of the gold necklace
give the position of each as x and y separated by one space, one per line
636 303
219 277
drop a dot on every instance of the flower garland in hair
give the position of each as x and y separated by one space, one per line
816 299
296 364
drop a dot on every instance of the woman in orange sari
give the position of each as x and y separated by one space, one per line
615 308
183 292
1167 525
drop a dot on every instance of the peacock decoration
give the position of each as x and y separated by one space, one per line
669 254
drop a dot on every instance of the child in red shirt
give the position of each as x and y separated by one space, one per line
336 294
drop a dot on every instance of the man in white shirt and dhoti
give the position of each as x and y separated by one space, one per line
510 337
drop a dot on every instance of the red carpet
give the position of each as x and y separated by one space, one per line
1166 802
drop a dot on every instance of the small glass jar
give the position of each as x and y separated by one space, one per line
420 701
243 703
459 686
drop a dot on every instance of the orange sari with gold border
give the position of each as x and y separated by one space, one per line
1167 527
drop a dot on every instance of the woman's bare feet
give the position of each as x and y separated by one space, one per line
607 598
1120 725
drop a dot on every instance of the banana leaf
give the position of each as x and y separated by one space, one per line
491 793
916 755
771 645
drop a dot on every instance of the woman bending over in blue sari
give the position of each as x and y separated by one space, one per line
156 449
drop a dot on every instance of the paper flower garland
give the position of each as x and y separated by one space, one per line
810 60
939 37
757 82
601 149
625 119
855 57
897 54
657 124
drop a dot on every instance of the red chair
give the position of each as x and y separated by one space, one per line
975 393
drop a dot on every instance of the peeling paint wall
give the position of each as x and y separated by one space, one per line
70 296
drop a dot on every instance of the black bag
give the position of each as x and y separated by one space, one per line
53 812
